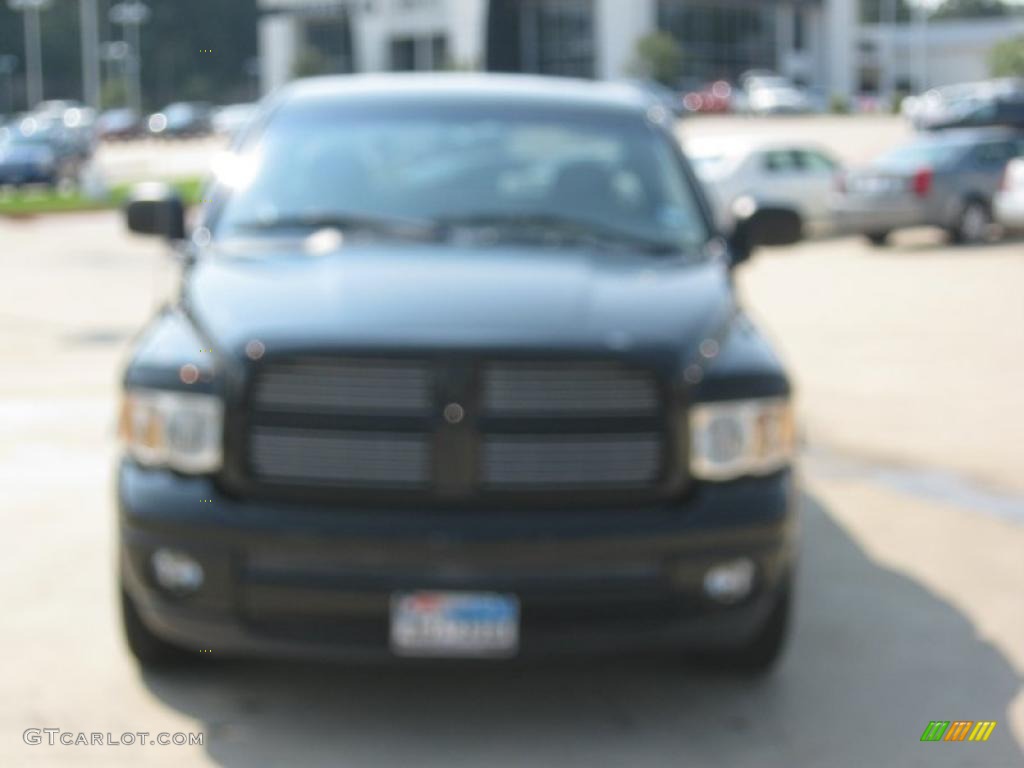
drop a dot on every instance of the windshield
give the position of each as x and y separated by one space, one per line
463 167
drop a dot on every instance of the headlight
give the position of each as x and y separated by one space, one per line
741 437
179 430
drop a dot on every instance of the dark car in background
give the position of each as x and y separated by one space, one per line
36 152
456 370
946 180
69 122
118 124
996 110
26 161
181 120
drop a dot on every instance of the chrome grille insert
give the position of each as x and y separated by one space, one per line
325 385
340 458
567 389
561 461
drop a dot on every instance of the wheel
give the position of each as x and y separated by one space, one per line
877 239
759 655
974 223
148 649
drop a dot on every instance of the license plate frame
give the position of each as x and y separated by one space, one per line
450 624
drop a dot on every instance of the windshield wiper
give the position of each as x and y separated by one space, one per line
579 230
395 226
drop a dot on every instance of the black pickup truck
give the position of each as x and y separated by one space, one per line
455 369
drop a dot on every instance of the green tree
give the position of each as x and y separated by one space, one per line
309 63
1007 58
966 9
876 11
658 56
198 87
113 93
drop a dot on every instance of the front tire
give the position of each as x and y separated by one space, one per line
149 650
878 239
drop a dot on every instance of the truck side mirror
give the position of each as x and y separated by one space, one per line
757 226
155 208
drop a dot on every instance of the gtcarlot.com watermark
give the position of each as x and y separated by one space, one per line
55 736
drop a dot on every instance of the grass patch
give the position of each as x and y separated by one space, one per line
37 201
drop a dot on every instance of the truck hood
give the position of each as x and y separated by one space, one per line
450 297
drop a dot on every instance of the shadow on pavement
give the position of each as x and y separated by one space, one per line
937 244
874 657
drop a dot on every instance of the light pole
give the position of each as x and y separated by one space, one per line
887 80
252 70
131 16
921 12
8 63
30 10
90 31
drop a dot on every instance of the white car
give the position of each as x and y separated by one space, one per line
779 172
1008 205
775 96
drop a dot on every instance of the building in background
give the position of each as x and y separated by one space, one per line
346 36
915 57
585 38
818 43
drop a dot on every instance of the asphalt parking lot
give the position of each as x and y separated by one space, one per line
909 608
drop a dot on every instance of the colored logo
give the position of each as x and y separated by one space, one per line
958 730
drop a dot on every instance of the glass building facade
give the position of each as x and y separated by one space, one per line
719 38
557 37
722 38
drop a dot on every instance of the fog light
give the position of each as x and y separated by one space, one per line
730 582
176 571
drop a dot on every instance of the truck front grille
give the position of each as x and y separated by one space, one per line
543 427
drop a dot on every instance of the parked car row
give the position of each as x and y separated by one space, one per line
182 119
49 145
52 143
963 181
947 180
178 120
759 92
765 92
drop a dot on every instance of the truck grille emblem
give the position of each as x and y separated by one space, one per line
454 413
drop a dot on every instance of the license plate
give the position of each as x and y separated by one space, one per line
874 185
454 624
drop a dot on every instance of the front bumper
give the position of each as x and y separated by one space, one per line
290 580
853 217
